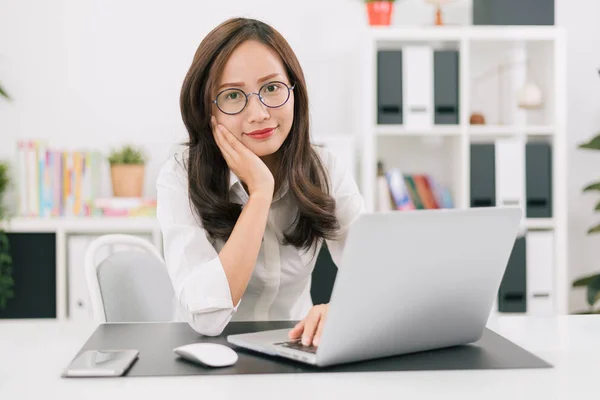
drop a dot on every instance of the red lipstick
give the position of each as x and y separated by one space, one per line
261 133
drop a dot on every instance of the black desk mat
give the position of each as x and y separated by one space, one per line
156 341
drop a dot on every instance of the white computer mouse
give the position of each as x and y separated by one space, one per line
210 354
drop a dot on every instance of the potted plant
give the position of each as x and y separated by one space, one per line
380 12
591 282
127 171
6 279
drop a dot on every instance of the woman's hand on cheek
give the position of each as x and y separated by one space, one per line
243 162
311 327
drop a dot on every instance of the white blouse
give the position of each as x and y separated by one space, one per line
279 288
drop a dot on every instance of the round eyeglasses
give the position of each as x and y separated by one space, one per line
234 101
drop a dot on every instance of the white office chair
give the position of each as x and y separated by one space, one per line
128 286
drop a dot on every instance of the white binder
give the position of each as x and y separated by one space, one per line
417 87
540 272
510 172
79 299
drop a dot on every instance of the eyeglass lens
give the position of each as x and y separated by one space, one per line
273 94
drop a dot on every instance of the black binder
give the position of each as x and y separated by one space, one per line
513 12
512 296
483 175
389 87
446 87
538 172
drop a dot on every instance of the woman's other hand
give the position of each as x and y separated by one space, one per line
311 327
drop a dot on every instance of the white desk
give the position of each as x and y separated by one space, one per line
33 354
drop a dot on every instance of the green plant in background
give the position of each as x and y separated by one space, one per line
127 155
3 93
6 279
592 282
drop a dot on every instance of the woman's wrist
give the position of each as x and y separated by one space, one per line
262 196
264 189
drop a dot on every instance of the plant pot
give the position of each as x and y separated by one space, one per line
127 180
380 12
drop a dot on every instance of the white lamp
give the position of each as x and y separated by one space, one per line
529 96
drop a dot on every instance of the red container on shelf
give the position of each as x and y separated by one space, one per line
380 12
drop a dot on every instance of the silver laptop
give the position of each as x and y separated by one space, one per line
409 281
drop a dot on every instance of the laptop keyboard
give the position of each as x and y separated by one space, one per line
297 345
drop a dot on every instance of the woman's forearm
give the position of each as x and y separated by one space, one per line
239 254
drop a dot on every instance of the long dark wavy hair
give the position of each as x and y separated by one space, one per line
208 173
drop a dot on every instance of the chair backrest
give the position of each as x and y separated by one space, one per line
131 285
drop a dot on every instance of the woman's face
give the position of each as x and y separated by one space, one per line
249 68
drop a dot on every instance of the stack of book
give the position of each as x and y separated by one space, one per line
126 207
400 191
54 183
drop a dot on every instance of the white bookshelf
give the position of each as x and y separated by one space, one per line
462 33
444 150
83 225
88 227
399 130
502 131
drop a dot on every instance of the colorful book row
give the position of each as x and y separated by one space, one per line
55 183
412 192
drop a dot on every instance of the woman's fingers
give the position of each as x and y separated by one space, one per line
225 146
227 141
232 141
317 338
297 330
310 326
226 149
216 132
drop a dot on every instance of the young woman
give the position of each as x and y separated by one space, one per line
247 207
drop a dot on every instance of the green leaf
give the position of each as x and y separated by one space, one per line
597 207
7 281
593 291
127 155
594 229
592 186
585 280
3 93
593 144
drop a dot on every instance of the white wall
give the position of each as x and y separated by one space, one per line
99 73
580 19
